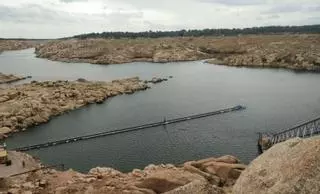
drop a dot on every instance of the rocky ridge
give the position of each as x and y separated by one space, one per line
34 103
110 51
212 175
298 52
6 45
4 78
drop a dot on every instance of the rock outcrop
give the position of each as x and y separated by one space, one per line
20 162
34 103
291 167
299 52
4 78
156 80
115 51
209 176
6 45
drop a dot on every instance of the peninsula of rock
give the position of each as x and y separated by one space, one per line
292 51
30 104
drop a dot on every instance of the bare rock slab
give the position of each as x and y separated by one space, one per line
291 167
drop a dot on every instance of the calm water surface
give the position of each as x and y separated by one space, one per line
274 98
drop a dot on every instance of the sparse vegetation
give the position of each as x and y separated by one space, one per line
300 52
205 32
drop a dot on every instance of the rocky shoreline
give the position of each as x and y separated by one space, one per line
298 52
5 79
290 167
8 45
30 104
211 175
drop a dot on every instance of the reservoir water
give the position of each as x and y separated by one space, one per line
275 99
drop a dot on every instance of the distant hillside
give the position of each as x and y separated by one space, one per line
293 51
25 39
205 32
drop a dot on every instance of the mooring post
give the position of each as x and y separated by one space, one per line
164 120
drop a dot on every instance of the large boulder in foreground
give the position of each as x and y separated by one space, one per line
289 167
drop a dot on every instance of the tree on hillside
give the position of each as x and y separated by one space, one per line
205 32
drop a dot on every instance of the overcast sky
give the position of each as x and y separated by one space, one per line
60 18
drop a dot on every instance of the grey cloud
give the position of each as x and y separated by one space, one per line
259 18
38 18
273 16
121 18
159 5
148 3
268 17
151 25
46 19
291 8
235 2
32 13
124 15
71 1
314 19
284 8
314 8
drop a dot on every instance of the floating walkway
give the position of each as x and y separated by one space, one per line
306 129
129 129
